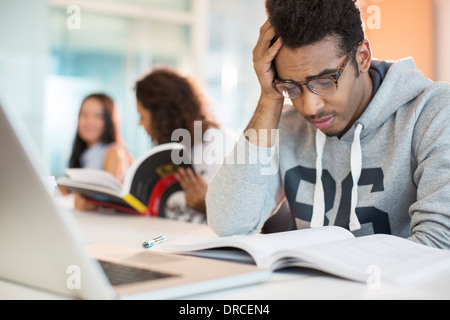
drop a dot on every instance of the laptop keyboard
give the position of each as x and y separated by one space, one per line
119 274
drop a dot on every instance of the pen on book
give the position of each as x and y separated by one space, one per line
153 242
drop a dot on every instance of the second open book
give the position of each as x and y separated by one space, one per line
148 184
330 249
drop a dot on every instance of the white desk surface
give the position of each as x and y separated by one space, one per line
132 230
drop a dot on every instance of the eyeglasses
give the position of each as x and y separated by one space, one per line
322 86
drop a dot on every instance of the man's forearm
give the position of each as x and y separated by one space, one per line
265 119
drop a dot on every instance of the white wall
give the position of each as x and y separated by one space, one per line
442 40
23 60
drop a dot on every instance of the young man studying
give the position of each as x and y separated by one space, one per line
359 143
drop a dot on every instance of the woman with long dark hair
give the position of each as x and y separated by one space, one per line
97 143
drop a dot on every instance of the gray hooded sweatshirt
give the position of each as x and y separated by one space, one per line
389 173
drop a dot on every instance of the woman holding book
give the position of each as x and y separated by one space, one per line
168 102
98 144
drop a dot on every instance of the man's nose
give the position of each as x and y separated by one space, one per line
309 104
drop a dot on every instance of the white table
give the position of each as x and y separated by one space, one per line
132 230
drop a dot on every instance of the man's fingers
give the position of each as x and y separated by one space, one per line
273 50
267 33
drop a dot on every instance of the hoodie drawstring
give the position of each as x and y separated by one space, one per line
356 168
318 216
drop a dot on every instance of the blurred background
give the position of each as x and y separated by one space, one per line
55 52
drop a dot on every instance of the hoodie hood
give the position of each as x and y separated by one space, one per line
402 84
387 99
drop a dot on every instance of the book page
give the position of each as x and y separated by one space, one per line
377 257
95 177
262 246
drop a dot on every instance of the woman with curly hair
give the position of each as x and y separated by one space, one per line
167 102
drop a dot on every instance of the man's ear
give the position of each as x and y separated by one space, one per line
364 56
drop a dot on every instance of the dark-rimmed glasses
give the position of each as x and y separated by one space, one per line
322 85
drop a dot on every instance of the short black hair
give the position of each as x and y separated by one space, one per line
304 22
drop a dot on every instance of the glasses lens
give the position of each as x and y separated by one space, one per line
289 90
323 86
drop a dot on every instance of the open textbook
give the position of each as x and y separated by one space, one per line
147 186
329 249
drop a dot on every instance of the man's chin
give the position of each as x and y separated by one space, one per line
334 133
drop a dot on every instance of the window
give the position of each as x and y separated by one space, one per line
48 68
116 44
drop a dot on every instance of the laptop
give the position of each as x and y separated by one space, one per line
41 245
